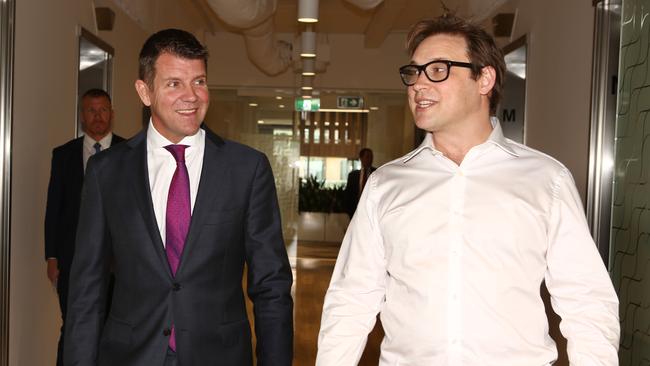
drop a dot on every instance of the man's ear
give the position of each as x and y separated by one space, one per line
143 91
486 80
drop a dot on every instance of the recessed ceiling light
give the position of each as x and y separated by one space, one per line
373 108
281 106
278 97
252 104
260 122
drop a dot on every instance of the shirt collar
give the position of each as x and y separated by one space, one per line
496 138
89 142
157 141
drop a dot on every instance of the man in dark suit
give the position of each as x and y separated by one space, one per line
180 211
64 191
357 180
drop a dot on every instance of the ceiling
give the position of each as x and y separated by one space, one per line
335 16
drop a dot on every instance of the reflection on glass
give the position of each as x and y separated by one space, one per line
95 66
336 136
306 135
317 135
332 170
326 136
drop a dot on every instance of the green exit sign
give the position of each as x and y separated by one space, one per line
309 105
349 102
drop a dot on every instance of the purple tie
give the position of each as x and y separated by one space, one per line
178 216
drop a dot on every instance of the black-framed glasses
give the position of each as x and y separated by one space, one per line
436 71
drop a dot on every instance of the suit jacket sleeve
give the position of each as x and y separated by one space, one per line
351 193
53 207
269 272
89 277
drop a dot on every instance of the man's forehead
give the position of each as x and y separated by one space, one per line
172 66
95 100
442 46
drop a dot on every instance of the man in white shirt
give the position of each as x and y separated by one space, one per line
451 243
64 191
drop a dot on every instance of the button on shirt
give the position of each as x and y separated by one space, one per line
161 165
453 257
89 146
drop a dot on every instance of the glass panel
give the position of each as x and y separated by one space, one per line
630 234
95 66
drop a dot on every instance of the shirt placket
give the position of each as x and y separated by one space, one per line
455 251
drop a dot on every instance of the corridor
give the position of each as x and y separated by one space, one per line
313 269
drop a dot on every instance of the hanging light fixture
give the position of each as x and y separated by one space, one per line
307 83
308 42
308 67
308 11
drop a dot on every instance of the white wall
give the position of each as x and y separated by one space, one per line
45 77
127 39
558 95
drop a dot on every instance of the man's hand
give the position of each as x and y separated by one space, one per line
52 270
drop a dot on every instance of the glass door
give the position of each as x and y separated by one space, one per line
629 255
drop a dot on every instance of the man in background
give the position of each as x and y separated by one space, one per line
357 180
64 191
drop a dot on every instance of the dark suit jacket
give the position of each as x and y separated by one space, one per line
235 221
63 199
352 191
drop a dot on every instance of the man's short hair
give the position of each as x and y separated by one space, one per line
173 41
363 151
96 93
481 48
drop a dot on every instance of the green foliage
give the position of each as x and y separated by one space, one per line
314 196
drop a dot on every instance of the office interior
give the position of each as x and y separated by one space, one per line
577 91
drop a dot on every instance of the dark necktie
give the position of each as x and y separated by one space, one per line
98 147
178 215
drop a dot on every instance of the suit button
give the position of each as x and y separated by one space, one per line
167 332
176 286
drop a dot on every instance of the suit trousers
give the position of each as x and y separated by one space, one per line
170 358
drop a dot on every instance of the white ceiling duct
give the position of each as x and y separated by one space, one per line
269 55
255 20
365 4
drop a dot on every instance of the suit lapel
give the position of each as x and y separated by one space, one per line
142 193
215 168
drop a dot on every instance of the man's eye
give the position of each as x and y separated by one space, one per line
200 82
173 83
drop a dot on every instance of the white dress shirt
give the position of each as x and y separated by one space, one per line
89 146
453 258
161 165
